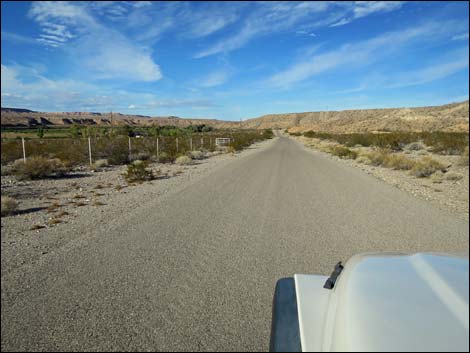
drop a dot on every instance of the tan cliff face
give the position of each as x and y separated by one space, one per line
449 117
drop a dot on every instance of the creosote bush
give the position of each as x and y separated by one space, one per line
426 167
343 152
398 161
137 172
9 205
100 163
39 167
183 160
196 155
463 160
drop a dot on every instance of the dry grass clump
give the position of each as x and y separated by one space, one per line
363 160
398 161
9 205
343 152
426 167
137 172
453 176
377 157
53 221
183 160
37 226
196 155
39 167
415 146
230 149
437 177
53 208
99 164
463 160
62 214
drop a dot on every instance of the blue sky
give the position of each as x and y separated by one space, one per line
232 60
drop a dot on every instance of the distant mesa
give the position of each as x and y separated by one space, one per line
448 117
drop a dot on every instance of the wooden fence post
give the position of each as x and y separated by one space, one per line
24 150
130 148
158 152
177 149
89 150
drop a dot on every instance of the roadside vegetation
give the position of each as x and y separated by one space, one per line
117 145
408 151
448 143
9 205
137 172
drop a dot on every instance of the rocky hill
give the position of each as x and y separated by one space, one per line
449 117
12 117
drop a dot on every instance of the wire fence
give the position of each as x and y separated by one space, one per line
119 149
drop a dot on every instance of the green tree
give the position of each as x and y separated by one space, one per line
75 131
40 132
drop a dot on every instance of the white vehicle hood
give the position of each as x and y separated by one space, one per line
387 303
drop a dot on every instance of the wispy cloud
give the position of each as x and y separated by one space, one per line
341 22
185 20
274 17
18 38
365 8
463 36
215 78
457 63
356 54
102 50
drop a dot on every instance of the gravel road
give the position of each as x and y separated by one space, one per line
196 270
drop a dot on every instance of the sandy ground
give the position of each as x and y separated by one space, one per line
450 195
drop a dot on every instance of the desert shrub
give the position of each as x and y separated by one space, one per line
309 134
437 177
453 176
196 155
230 149
415 146
9 205
183 160
137 172
463 160
363 160
164 157
100 163
398 161
426 167
378 157
39 167
295 133
140 156
268 134
343 152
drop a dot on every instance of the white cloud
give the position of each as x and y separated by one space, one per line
276 17
430 73
355 54
341 22
463 36
101 50
132 106
215 78
17 38
365 8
